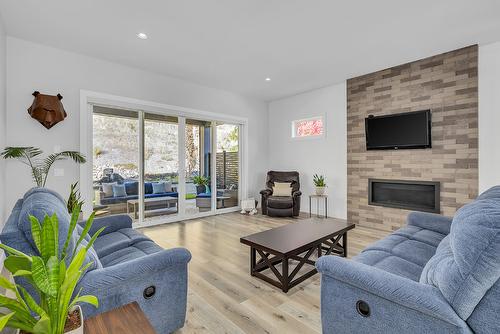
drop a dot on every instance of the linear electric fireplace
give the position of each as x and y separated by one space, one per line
403 194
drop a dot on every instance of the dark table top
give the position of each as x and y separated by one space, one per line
288 238
127 319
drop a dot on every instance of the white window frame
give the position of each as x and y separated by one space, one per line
89 98
322 135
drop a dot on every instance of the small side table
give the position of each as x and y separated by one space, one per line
126 319
318 198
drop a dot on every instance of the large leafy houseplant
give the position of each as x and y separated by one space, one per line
54 276
40 168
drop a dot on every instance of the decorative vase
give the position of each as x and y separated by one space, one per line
200 188
320 191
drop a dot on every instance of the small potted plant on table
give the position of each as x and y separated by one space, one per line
319 183
201 183
53 275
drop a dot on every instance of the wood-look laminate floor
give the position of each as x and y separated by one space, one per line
223 297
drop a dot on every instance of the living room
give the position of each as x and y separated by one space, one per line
342 180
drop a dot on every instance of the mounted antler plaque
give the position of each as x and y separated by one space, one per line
47 109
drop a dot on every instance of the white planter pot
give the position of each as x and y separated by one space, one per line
78 330
320 191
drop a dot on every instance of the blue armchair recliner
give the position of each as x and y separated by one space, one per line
127 265
434 275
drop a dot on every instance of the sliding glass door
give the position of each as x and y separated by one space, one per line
228 165
198 166
160 167
115 161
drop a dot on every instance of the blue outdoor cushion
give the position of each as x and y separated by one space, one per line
132 188
159 188
119 190
148 188
467 262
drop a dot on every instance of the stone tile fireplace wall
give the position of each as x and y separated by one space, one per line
447 84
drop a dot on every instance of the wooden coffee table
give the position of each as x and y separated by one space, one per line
295 241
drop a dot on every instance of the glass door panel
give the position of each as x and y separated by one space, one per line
198 138
115 161
161 165
228 165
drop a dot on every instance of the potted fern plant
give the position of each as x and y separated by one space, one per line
53 274
40 168
319 183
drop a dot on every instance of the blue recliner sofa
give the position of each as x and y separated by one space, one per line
434 275
127 265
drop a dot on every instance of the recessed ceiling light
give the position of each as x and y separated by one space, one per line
142 35
268 79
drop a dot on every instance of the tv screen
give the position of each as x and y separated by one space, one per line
407 130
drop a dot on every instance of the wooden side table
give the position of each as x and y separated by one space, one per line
318 198
126 319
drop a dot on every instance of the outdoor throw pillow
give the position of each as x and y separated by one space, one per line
168 187
159 188
119 190
282 189
107 189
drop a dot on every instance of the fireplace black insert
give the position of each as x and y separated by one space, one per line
403 194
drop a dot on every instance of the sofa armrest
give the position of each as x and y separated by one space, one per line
112 223
158 282
111 280
266 192
402 292
297 193
430 221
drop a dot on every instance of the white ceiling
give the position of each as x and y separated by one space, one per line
236 44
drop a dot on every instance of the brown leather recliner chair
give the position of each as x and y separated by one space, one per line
281 206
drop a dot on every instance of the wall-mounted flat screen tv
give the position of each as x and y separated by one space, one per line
399 131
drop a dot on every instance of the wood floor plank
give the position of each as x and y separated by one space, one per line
223 297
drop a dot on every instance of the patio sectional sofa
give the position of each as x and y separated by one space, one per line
118 204
132 191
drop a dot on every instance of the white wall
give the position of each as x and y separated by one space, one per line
33 67
489 115
3 46
327 155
